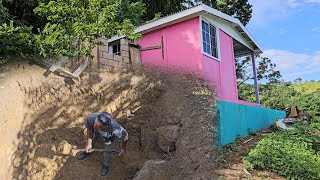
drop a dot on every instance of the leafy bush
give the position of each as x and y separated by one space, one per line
281 96
293 154
16 41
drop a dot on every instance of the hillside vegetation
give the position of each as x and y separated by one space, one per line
293 154
307 87
281 96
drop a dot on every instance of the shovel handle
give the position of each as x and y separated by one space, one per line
75 151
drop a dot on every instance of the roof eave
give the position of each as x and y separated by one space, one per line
188 14
236 22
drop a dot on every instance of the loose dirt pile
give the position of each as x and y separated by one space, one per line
170 134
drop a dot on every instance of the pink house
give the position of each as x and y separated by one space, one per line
205 41
201 40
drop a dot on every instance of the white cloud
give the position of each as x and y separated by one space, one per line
293 3
316 29
294 65
312 1
283 31
267 11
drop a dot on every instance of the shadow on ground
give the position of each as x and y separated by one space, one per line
58 109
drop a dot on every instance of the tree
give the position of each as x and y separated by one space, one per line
240 9
279 97
71 21
15 41
298 80
21 12
131 10
4 15
163 7
265 70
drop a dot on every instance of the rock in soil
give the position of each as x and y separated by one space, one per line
152 168
167 137
64 147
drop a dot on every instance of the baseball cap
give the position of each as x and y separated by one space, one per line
104 118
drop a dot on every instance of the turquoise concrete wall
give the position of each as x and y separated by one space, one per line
239 120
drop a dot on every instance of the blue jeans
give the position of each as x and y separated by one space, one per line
108 147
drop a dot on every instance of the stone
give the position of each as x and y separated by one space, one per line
101 54
104 41
126 60
125 54
104 61
124 41
108 55
154 169
117 58
167 137
113 63
124 47
64 147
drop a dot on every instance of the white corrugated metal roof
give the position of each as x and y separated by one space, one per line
194 12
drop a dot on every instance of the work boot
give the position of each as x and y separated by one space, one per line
104 170
83 155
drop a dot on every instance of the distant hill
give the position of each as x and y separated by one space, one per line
307 87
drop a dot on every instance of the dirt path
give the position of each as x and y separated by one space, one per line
38 113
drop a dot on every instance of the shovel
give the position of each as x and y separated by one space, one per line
74 151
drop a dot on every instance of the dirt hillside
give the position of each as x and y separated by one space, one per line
170 134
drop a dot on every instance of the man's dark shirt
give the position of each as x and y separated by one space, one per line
115 130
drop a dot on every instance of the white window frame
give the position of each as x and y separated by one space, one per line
218 58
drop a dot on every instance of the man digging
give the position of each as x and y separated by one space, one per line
103 125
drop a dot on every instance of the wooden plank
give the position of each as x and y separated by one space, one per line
135 56
55 66
132 55
65 72
81 68
150 48
162 49
95 54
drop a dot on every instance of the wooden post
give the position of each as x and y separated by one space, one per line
256 86
95 53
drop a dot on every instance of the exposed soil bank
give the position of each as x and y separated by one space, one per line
38 113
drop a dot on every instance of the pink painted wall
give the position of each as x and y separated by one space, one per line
182 49
222 73
153 57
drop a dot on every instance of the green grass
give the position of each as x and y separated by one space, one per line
293 154
307 87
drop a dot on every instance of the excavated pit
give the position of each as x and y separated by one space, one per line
170 134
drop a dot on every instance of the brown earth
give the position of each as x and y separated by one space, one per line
42 113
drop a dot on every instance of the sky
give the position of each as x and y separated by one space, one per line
289 33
